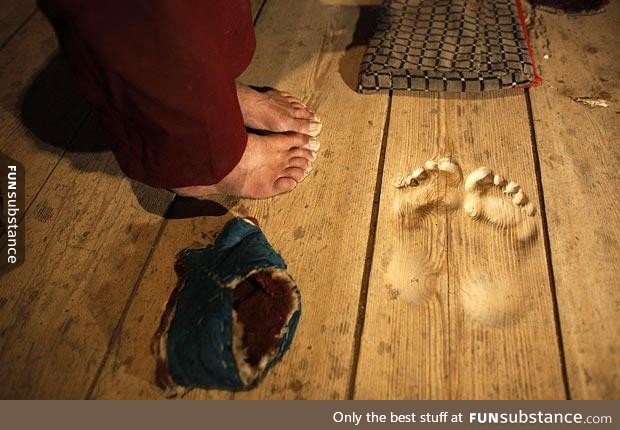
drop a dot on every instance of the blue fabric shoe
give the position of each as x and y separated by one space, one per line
232 316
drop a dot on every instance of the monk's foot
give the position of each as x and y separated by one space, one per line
270 165
276 111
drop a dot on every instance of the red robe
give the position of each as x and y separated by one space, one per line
161 76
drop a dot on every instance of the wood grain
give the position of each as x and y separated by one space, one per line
129 371
41 113
457 308
321 228
40 110
12 15
87 237
92 228
579 154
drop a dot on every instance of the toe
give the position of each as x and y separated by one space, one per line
291 140
284 185
294 172
303 153
302 113
300 140
298 125
313 145
307 127
301 163
297 104
314 128
293 99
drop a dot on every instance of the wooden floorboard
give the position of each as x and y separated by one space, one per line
451 307
129 371
13 14
579 150
41 110
457 307
325 248
87 236
91 227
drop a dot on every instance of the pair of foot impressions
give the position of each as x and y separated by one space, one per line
478 184
275 163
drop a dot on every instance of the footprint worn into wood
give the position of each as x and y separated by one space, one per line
232 316
423 195
497 210
481 204
497 277
428 188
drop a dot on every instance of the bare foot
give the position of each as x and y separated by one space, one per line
276 111
270 165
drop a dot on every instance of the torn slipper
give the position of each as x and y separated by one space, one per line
232 315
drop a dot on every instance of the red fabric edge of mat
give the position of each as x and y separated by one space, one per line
537 78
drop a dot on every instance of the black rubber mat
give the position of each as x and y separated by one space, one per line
448 45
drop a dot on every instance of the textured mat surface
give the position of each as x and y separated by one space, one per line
448 45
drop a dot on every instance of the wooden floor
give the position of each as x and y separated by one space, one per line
404 295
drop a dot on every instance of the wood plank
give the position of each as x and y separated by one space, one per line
321 228
88 234
40 108
457 308
13 13
579 154
325 246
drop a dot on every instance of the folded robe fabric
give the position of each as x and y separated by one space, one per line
161 78
448 45
232 316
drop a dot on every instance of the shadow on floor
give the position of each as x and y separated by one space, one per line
349 64
52 109
63 123
186 207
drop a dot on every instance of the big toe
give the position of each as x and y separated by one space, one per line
308 127
284 185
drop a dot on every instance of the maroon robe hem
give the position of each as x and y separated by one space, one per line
161 76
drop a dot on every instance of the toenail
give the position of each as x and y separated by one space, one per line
315 128
313 144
